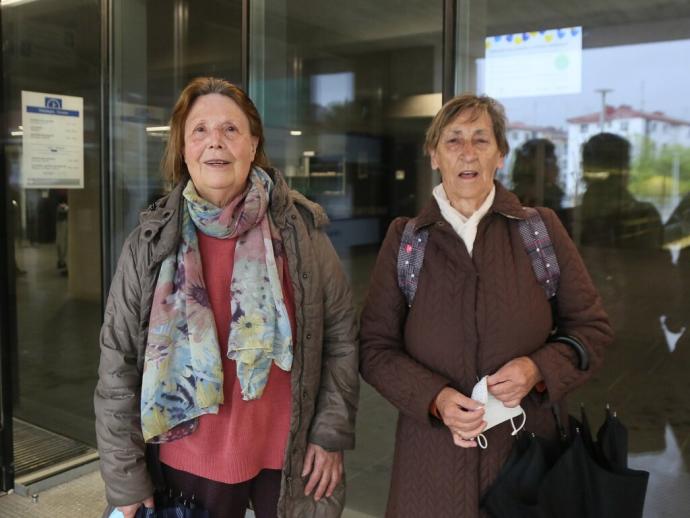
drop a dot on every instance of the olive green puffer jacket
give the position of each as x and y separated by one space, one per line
325 383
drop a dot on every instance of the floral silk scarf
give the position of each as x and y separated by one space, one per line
183 373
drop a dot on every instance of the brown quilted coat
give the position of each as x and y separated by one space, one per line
470 316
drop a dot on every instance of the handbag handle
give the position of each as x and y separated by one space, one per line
576 345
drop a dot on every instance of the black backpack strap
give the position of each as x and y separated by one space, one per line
540 250
410 259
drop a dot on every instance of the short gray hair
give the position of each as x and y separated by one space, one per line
476 105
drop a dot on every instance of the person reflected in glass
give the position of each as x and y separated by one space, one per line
535 178
478 311
228 348
677 235
610 214
677 323
621 241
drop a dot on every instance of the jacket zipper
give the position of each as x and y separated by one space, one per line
288 474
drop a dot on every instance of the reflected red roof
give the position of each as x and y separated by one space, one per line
625 111
530 127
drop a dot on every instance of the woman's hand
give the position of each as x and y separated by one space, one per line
514 380
326 468
129 511
462 415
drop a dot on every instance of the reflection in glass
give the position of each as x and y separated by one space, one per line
158 46
615 149
535 177
56 51
346 96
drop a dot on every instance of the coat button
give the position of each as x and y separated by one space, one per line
293 217
305 275
308 336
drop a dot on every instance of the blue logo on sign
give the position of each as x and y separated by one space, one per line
53 102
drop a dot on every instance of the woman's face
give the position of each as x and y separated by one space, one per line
467 156
218 148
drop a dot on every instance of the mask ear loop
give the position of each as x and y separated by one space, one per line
484 443
524 420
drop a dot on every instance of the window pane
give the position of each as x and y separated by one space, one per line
599 131
158 46
51 59
346 95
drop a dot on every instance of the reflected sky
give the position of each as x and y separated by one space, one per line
648 77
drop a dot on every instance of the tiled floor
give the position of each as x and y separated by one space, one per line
644 377
368 474
83 497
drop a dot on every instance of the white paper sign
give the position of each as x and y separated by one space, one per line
53 141
534 63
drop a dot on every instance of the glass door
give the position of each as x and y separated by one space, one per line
51 63
346 92
599 130
7 308
158 46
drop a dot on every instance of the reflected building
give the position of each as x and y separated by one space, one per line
649 133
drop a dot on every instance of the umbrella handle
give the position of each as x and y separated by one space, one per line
559 423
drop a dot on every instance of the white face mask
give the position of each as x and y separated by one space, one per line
495 412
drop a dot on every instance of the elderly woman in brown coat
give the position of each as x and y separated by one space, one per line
479 313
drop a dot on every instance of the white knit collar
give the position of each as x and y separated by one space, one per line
464 227
448 211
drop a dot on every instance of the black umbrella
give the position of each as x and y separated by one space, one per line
516 489
573 477
169 506
613 442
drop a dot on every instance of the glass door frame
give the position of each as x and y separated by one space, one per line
450 34
8 310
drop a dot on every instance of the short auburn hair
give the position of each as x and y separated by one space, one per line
476 105
173 165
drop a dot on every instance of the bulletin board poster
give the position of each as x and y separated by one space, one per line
535 63
53 141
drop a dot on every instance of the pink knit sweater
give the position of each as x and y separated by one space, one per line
245 436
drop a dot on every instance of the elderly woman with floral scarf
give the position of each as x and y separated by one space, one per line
228 365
